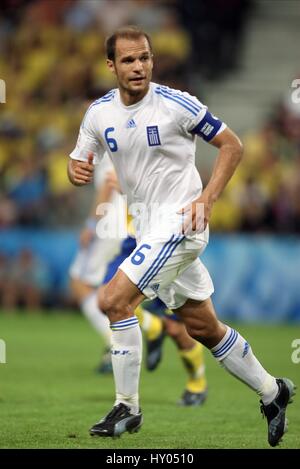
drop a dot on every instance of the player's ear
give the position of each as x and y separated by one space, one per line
152 63
111 65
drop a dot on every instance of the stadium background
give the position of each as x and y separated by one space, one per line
240 58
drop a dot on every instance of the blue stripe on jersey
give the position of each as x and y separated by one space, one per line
152 266
208 127
161 261
104 99
179 97
110 93
188 100
178 101
108 97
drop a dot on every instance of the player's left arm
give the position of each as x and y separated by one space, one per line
229 156
194 118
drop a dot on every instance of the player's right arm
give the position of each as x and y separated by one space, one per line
88 150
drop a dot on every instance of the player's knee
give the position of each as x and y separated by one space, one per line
202 331
112 307
107 303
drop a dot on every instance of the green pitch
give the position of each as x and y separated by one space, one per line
50 395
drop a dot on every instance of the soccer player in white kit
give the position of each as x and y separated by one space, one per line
95 264
150 134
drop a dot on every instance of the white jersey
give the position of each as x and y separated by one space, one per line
151 143
102 170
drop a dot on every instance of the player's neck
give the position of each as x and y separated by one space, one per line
128 99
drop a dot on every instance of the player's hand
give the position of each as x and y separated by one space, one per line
86 237
81 172
196 215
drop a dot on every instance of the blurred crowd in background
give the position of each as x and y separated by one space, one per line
52 58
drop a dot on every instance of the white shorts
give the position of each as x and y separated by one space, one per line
90 263
170 270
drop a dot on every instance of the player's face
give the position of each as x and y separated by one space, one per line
133 66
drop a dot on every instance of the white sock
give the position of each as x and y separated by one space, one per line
99 320
236 356
126 361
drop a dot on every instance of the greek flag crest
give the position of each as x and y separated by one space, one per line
153 135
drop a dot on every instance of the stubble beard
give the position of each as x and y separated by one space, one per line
136 93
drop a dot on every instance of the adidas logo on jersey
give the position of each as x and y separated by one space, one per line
155 287
130 124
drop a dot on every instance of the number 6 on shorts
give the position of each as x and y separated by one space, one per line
139 257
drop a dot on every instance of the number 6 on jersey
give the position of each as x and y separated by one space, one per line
111 142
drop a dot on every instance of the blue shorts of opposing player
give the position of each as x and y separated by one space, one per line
129 244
